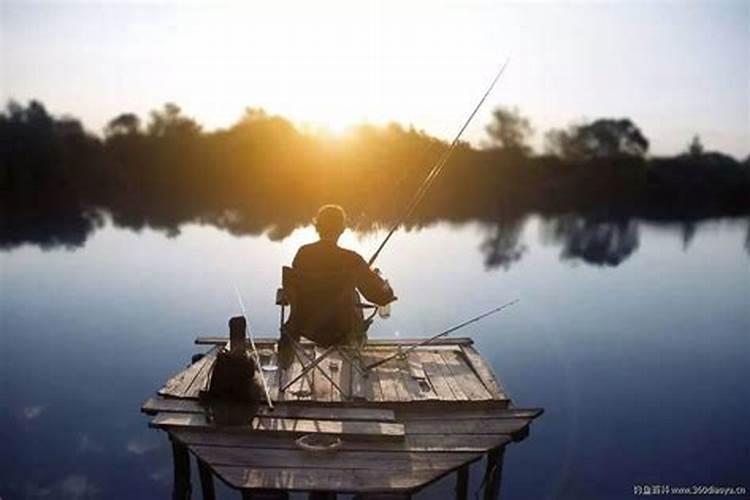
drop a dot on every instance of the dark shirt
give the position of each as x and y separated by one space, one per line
327 257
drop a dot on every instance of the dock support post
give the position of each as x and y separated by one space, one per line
494 473
321 495
462 483
181 481
265 495
207 480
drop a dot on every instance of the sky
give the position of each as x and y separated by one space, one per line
676 68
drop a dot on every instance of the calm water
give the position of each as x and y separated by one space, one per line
640 361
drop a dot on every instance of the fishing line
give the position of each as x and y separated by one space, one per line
437 169
255 350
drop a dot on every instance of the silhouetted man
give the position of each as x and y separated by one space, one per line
335 308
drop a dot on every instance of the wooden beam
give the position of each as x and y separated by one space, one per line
181 478
269 341
207 480
329 412
462 483
494 473
456 443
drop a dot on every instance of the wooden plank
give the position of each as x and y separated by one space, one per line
321 386
385 430
270 341
372 388
392 383
187 420
416 370
301 459
434 374
353 428
301 389
419 388
329 413
420 442
200 382
465 377
358 382
339 481
342 375
510 426
172 405
479 413
158 404
484 372
179 383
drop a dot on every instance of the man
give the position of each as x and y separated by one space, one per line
333 276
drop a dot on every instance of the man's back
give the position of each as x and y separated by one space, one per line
327 258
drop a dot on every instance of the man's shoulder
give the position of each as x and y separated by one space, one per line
352 256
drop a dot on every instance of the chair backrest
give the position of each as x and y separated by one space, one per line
324 307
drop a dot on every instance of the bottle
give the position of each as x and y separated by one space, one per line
385 311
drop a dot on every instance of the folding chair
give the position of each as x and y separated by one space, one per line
326 309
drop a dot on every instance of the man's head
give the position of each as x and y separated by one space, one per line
330 222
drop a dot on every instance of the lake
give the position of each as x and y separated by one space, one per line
633 336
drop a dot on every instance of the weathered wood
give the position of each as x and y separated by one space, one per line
181 477
435 376
384 430
458 412
423 442
464 376
484 372
321 375
181 382
207 480
329 413
185 420
196 421
385 461
391 382
270 341
200 382
338 480
462 483
302 388
508 426
419 387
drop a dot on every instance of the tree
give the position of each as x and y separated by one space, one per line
170 122
695 148
123 124
509 130
603 138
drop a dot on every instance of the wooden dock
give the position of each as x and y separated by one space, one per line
409 422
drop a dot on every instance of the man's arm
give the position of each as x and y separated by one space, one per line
372 286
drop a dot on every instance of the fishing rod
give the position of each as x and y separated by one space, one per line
255 349
403 352
436 169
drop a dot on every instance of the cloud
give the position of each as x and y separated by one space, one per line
140 447
77 486
32 412
87 445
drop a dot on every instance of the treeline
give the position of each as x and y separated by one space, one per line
265 174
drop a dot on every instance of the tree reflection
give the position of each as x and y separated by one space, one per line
501 247
594 241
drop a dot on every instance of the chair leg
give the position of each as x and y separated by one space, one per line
313 363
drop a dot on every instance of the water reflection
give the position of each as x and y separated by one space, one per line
593 240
